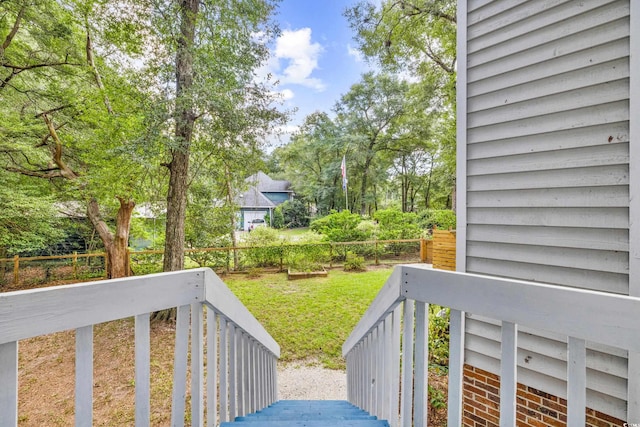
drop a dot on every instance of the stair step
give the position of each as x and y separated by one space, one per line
309 413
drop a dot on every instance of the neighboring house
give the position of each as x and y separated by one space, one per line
262 197
548 182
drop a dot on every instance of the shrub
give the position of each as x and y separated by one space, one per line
354 262
295 214
266 247
443 219
438 336
278 218
340 227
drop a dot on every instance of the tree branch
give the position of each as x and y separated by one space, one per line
14 30
94 69
50 174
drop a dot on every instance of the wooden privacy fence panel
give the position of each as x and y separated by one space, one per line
444 250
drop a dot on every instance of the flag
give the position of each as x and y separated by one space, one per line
343 169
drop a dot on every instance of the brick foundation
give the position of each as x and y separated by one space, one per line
481 403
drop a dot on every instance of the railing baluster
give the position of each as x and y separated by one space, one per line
576 382
388 366
508 374
180 366
224 382
369 354
240 357
9 381
246 357
212 367
197 365
84 376
421 381
380 390
456 367
232 373
373 384
143 369
407 364
395 365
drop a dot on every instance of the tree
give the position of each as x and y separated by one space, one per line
418 37
312 159
213 79
28 219
415 36
60 104
369 114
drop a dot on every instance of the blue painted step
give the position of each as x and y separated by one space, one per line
309 413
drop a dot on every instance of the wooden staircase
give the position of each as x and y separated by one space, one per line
309 413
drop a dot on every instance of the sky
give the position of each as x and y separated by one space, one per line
315 58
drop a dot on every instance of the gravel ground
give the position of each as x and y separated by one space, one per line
302 382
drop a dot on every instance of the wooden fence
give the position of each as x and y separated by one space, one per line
44 269
444 250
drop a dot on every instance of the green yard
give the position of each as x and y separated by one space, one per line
311 318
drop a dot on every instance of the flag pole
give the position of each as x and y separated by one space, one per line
346 197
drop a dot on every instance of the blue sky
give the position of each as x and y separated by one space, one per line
315 58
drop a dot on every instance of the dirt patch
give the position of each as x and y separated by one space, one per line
47 377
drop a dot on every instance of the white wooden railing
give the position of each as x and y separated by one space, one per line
244 353
379 382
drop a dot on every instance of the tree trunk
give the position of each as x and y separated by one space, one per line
115 244
185 119
363 187
234 236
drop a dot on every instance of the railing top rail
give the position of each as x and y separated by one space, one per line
34 312
219 297
385 302
591 315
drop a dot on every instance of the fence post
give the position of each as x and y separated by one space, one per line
330 255
16 269
376 252
106 264
75 264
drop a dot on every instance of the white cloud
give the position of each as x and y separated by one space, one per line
357 55
287 94
300 57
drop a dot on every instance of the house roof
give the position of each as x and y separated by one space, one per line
262 183
265 184
252 198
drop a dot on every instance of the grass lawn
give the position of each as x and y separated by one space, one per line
293 232
310 318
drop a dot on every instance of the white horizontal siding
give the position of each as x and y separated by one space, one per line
611 154
581 117
551 31
553 141
582 59
562 237
610 196
558 85
560 178
547 170
521 21
592 217
573 43
611 91
586 279
585 259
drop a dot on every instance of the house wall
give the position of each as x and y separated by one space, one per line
543 139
